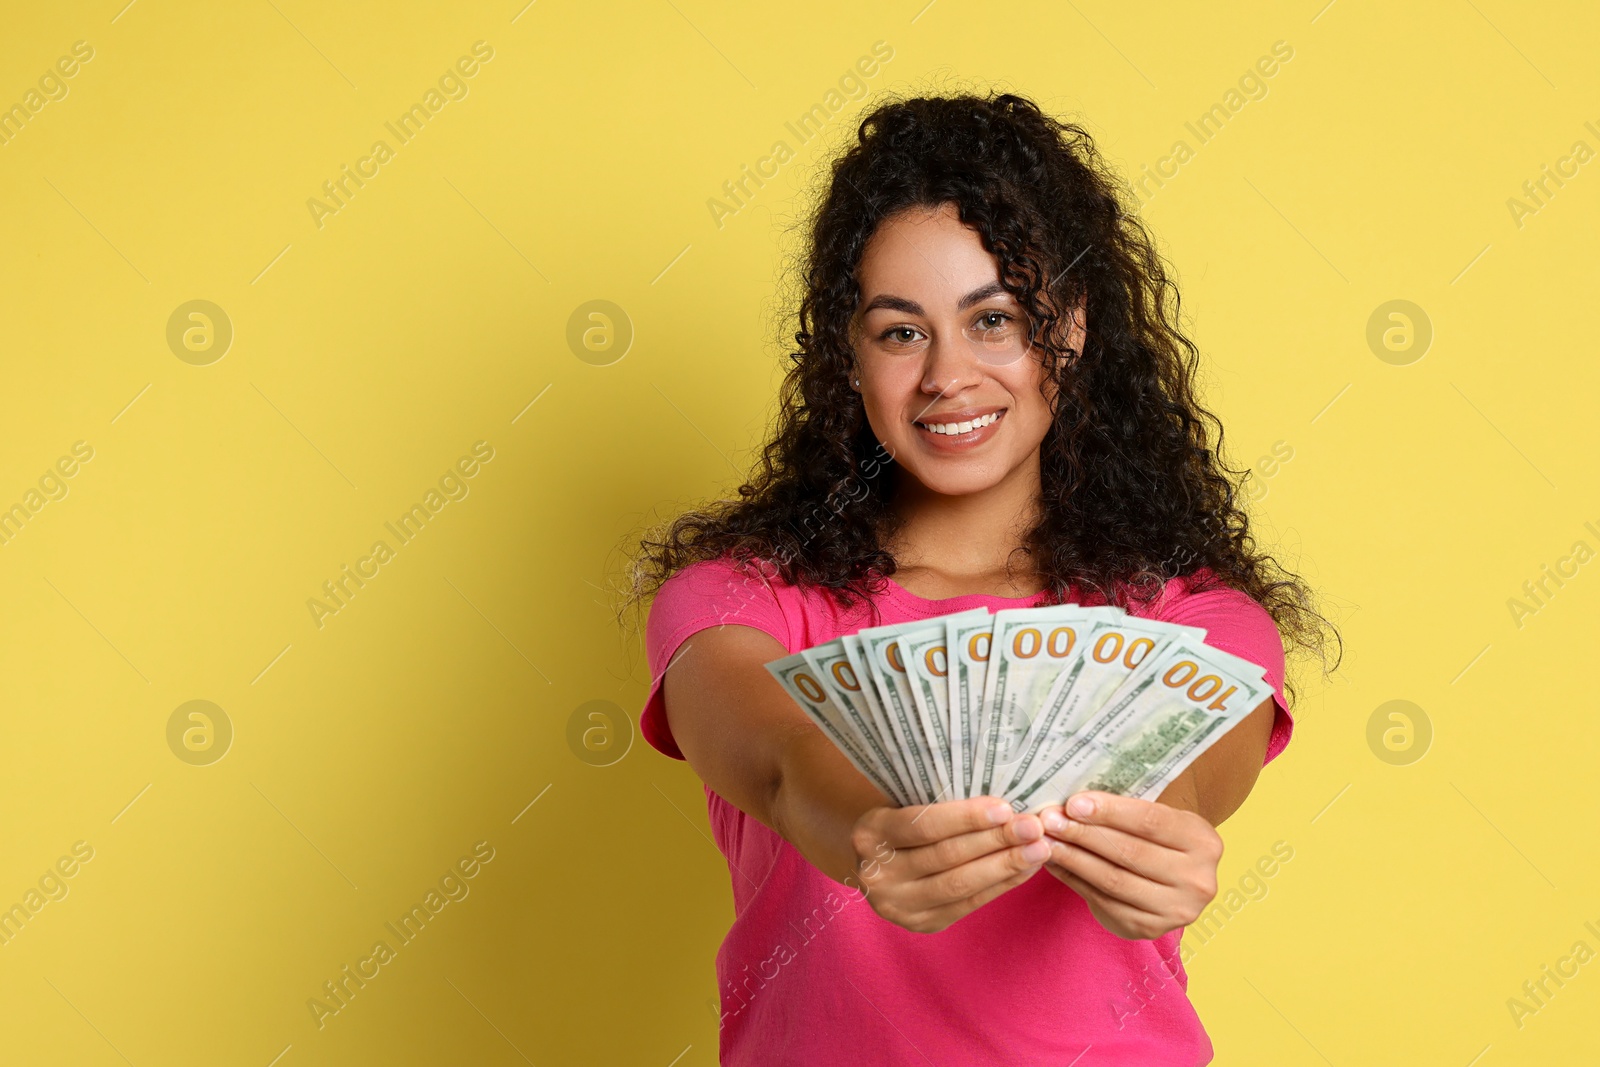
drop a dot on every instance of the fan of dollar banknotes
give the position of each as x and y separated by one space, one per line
1027 704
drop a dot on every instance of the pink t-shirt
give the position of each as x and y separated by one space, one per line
810 974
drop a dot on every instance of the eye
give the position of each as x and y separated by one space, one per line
897 334
990 320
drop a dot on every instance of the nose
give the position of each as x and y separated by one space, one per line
950 365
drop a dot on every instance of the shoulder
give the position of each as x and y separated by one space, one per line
701 596
1234 621
716 592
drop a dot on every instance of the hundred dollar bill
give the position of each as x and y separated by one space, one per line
832 664
1203 732
1186 751
967 642
1115 649
800 681
1172 708
927 662
888 737
1029 650
882 647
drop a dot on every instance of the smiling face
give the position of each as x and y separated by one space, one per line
948 381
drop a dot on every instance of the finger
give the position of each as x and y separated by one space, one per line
977 875
1124 913
1110 879
950 913
1142 818
924 824
1155 862
963 848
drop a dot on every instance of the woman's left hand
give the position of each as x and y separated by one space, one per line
1143 867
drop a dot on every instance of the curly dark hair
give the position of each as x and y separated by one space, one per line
1134 490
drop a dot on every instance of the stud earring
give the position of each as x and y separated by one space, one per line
856 382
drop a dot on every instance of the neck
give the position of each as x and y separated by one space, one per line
971 536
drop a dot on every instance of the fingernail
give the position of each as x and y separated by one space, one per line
1029 829
1054 821
1081 805
999 813
1036 851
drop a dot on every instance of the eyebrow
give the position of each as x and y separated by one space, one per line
911 307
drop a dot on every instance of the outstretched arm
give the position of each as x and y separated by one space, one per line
921 867
754 747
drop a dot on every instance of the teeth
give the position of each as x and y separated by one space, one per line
961 427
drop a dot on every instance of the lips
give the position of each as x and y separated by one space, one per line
955 433
963 421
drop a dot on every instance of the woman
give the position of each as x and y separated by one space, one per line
991 405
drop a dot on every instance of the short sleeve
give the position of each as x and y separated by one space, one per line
704 594
1236 623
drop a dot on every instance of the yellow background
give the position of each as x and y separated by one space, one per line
369 354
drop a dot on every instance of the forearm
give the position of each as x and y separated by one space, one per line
816 801
750 743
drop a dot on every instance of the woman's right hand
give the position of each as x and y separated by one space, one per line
925 866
